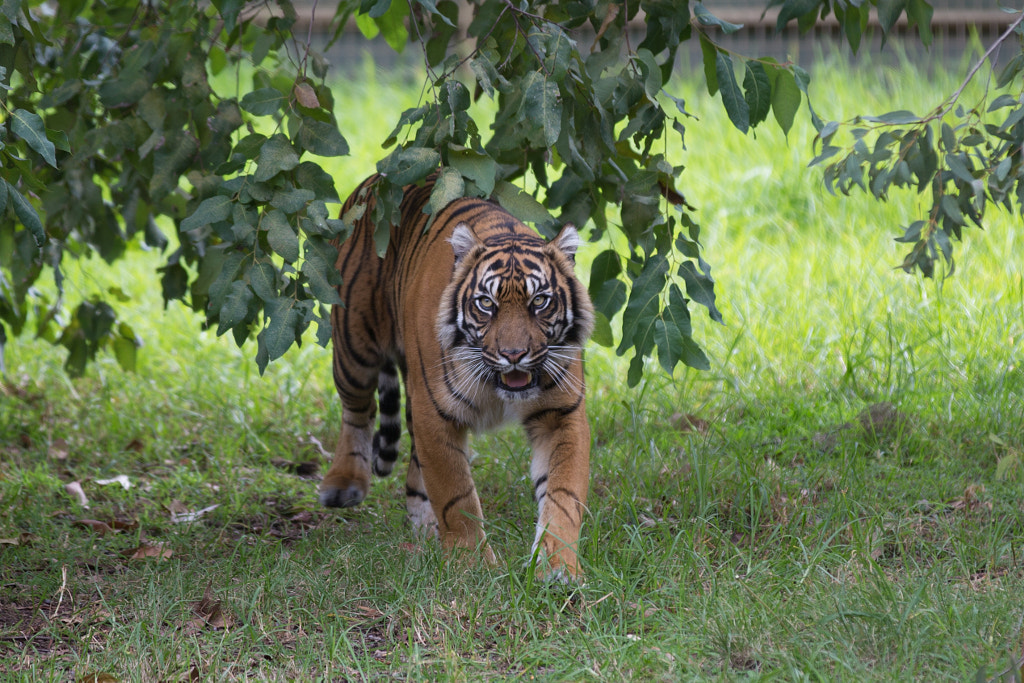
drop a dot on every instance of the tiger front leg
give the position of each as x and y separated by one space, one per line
445 471
560 471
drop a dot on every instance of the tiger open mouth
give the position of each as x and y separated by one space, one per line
517 380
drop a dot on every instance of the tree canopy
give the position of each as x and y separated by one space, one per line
109 121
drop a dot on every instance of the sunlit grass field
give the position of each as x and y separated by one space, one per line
744 524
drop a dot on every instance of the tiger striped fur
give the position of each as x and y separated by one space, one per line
485 321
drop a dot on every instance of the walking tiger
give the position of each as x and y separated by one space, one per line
485 322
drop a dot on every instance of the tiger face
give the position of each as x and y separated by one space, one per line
513 311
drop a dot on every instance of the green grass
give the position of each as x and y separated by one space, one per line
749 551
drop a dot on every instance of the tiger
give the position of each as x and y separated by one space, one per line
485 322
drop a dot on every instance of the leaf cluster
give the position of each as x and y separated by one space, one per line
110 122
963 158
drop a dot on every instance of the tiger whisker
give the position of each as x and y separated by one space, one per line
467 377
461 353
564 379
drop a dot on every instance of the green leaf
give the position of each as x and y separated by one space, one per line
559 54
1004 100
292 201
757 91
26 213
323 279
541 106
222 283
323 330
6 38
919 13
735 106
651 72
392 25
520 204
408 165
124 90
606 266
700 287
321 138
794 9
602 334
407 118
280 333
951 209
281 235
889 12
643 307
901 117
785 100
710 55
263 278
170 161
431 6
235 308
263 101
1010 71
229 10
211 210
277 155
29 127
126 352
476 167
706 18
311 176
447 188
671 331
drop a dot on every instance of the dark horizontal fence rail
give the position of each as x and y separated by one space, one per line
954 25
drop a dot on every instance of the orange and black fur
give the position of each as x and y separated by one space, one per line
485 321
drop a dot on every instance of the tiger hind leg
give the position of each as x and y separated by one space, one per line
347 481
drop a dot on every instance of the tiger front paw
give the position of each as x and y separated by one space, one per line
341 494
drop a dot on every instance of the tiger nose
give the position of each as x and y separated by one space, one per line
513 355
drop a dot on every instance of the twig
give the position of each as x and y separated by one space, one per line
951 100
63 588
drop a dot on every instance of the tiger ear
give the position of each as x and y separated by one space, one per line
462 240
568 241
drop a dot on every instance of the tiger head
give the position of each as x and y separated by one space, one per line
514 314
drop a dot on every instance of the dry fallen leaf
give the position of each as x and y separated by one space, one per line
98 678
94 524
121 479
186 516
123 525
24 538
75 490
135 445
303 469
146 551
209 612
59 449
689 423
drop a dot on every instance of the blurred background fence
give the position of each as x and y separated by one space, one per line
955 24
